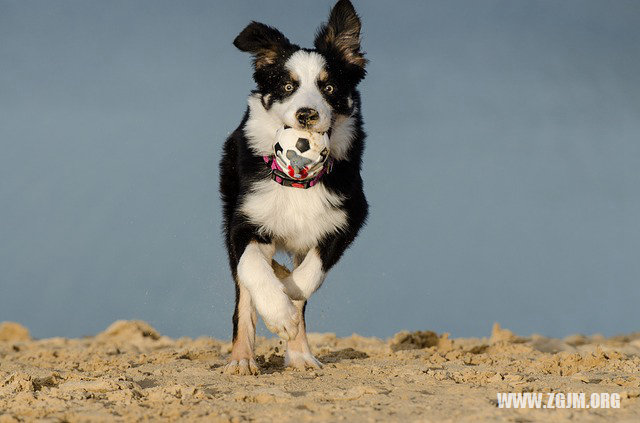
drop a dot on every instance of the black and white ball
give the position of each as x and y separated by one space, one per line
301 154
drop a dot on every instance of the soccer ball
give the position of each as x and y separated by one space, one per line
301 154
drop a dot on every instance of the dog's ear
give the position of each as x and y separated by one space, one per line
263 42
341 34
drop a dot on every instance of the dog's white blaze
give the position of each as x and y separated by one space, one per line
306 67
296 218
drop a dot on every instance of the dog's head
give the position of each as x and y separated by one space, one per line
304 88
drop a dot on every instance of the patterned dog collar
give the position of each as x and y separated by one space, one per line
278 175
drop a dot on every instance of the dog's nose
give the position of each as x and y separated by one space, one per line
307 116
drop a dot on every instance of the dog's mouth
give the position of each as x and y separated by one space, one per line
328 131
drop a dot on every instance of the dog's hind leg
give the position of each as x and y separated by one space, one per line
298 354
242 360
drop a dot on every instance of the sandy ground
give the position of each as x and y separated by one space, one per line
130 372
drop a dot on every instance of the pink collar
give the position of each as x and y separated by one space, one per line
278 175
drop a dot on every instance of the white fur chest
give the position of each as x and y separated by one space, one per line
296 218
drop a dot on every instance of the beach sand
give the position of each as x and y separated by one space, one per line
130 372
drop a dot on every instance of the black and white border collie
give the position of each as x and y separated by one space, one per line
314 90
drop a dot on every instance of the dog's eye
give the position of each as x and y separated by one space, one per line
288 87
329 89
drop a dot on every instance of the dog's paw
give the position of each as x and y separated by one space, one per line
279 314
284 323
245 366
301 361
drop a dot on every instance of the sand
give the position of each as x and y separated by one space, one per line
130 372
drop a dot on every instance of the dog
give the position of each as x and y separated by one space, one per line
313 221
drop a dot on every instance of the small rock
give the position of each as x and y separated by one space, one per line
127 329
630 394
413 340
496 378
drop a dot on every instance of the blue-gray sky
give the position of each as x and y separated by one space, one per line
502 165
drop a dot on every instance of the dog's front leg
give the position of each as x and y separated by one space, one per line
305 278
309 275
256 274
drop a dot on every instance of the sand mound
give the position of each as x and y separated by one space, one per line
132 334
130 372
10 331
130 329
